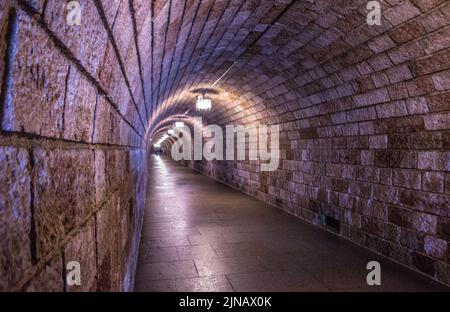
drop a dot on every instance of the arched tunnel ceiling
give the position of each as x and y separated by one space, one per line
363 111
277 55
305 64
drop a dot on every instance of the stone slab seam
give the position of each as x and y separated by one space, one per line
111 38
68 54
28 276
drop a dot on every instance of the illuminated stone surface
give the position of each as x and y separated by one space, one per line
363 114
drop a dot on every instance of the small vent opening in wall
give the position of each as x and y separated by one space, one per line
333 224
278 201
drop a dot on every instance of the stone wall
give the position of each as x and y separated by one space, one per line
72 150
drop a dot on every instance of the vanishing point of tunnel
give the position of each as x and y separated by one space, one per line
343 167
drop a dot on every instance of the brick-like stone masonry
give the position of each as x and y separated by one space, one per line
72 151
364 112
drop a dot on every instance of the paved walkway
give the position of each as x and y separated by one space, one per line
200 235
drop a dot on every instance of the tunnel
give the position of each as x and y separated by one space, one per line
348 168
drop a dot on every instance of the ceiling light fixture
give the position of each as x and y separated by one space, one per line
161 140
203 103
179 124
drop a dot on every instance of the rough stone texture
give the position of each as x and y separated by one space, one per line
363 112
110 9
116 168
81 248
99 177
106 228
88 41
15 216
3 9
4 25
64 145
37 76
70 174
102 123
49 278
79 105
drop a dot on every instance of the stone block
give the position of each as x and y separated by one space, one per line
395 159
435 19
87 42
102 122
434 161
441 80
108 68
372 97
133 74
443 229
123 31
107 226
426 140
63 193
433 63
49 279
116 167
419 222
142 13
401 13
447 183
38 74
437 121
4 6
438 102
4 30
417 105
115 122
15 216
105 273
407 178
378 142
100 177
437 41
426 202
82 248
79 108
426 5
435 247
110 10
433 182
406 32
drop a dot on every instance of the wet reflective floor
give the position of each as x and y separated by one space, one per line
201 235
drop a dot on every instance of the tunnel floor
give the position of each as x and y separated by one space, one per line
201 235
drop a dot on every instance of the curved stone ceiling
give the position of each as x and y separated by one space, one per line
276 61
